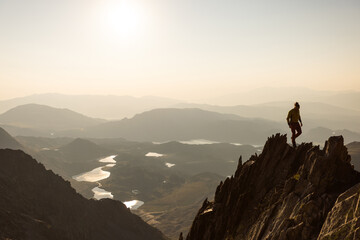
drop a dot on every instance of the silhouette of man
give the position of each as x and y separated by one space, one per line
293 120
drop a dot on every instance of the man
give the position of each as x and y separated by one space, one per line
293 120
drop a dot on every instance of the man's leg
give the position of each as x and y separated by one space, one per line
298 130
293 128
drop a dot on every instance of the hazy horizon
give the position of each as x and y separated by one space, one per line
180 49
261 95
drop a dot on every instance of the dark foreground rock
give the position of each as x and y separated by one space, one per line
343 221
284 194
37 204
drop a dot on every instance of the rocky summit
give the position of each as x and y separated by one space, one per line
285 193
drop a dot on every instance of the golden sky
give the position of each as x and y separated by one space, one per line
187 49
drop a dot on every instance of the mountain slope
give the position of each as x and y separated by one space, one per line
43 117
83 150
7 141
284 193
37 204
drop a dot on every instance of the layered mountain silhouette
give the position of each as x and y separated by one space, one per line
45 118
321 134
37 204
99 106
315 114
187 124
285 193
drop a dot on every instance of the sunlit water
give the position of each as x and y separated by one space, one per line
198 142
134 204
109 159
98 174
94 175
169 165
154 154
100 193
204 142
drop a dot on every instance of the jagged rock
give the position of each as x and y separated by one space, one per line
284 193
37 204
343 221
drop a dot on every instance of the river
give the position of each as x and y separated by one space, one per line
98 174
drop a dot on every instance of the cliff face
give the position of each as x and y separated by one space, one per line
284 193
37 204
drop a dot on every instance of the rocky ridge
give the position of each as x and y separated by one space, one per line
285 194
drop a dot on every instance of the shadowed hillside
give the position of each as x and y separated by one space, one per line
37 204
7 141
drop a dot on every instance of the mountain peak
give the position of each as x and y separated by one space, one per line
84 150
284 193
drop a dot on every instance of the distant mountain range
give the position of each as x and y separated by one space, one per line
314 114
344 99
186 124
320 134
118 107
99 106
174 124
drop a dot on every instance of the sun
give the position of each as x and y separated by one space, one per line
124 19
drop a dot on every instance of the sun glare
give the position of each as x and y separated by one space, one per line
124 19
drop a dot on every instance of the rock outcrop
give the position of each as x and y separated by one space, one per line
343 221
37 204
283 194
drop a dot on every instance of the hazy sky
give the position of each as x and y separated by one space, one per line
185 49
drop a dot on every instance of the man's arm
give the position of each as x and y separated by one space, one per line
288 118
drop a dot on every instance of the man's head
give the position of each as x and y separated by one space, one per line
297 105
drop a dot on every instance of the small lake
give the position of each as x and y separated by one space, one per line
99 174
134 204
169 165
100 193
198 142
94 175
154 154
204 142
